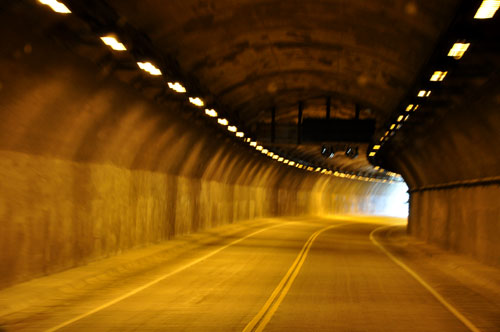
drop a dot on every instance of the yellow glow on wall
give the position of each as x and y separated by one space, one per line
56 6
149 68
113 43
210 112
196 101
177 87
458 50
487 9
438 76
222 121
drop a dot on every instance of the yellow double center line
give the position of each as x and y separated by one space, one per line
259 322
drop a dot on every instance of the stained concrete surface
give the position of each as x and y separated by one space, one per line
90 167
346 283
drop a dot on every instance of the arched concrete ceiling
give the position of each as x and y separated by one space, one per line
254 55
251 56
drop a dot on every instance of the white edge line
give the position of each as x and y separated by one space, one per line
155 281
438 296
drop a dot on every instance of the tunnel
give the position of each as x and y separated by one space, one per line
250 165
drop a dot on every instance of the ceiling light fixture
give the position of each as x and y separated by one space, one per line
149 68
438 76
222 121
210 112
240 134
196 101
487 9
56 6
458 50
177 87
424 93
113 43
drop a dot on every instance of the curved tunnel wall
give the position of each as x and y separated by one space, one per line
453 172
89 167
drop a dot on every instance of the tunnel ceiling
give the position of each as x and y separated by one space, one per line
250 56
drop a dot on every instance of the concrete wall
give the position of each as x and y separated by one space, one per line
452 168
89 167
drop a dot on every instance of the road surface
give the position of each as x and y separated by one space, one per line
305 275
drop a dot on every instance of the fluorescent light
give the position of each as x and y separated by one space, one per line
317 169
285 161
177 87
265 151
424 93
392 126
406 117
222 121
149 67
458 50
232 129
270 154
275 157
372 154
254 144
291 163
196 101
400 118
248 139
210 112
376 147
113 43
56 6
240 134
409 107
416 108
280 159
259 148
487 9
438 76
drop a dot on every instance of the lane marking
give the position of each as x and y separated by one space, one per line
259 322
157 280
414 274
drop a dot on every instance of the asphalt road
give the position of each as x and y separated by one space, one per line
314 275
